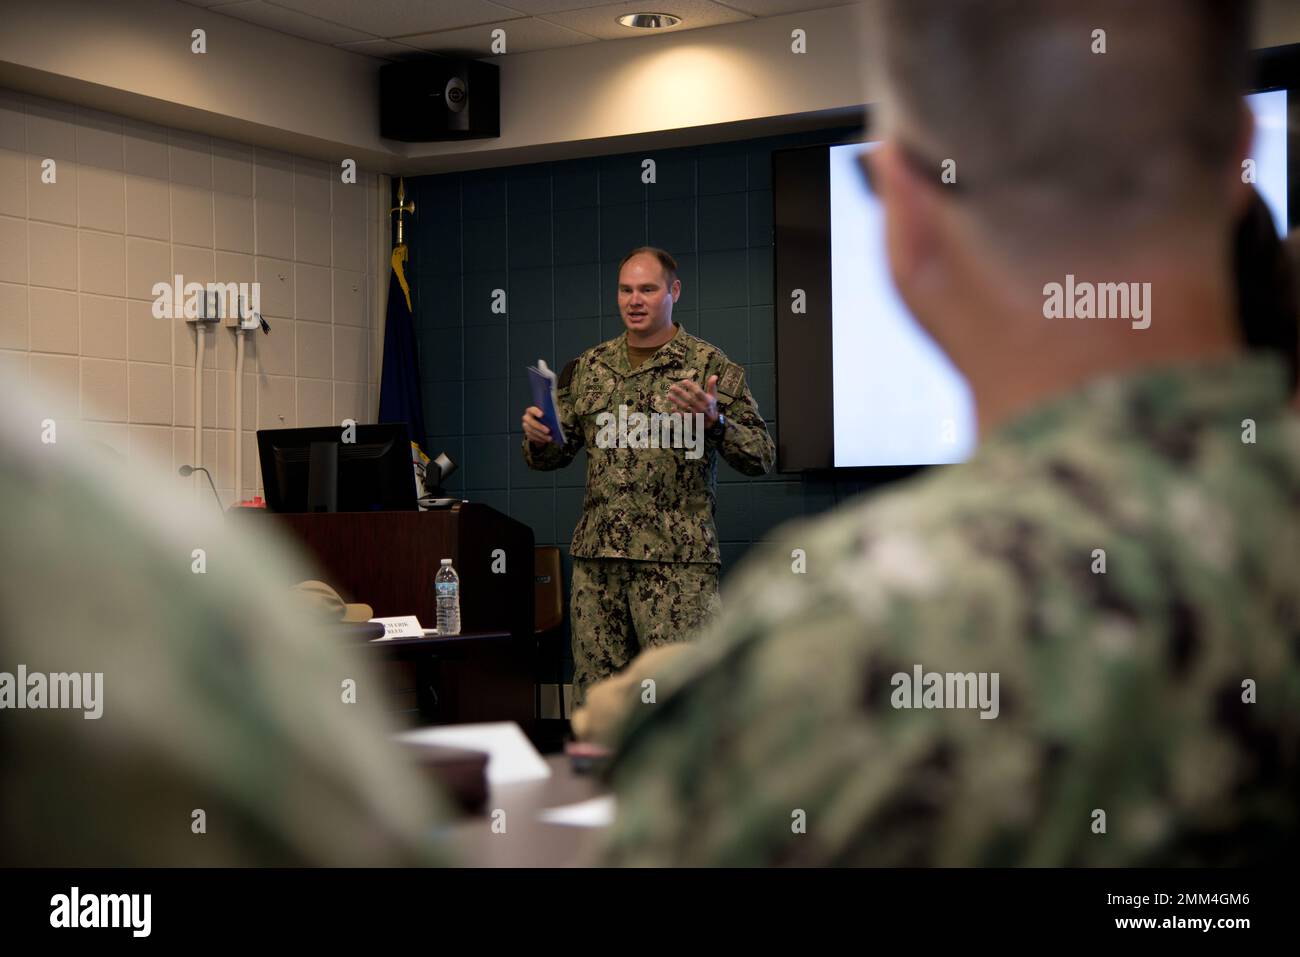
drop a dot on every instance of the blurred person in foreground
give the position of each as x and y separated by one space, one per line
219 693
1120 551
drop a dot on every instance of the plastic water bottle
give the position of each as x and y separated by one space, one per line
446 585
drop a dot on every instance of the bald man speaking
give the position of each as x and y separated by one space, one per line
654 408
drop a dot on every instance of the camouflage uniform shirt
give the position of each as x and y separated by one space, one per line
219 694
1161 689
651 504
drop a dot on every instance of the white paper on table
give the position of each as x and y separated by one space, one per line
596 812
401 626
404 626
511 756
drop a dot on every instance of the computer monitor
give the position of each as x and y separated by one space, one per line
315 470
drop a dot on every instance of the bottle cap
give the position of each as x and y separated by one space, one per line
446 561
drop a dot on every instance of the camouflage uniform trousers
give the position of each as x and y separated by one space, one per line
620 607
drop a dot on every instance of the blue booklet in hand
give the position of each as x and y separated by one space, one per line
542 381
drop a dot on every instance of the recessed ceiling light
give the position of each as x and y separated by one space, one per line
649 21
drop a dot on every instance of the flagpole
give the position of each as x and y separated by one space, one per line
404 205
399 381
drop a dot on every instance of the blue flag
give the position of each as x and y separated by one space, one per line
399 387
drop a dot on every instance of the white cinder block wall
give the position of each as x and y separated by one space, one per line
134 204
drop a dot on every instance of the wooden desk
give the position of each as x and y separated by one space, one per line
528 842
398 648
388 560
478 676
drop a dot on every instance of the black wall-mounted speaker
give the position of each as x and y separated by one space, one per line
439 98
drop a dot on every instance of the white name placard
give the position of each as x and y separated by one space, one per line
403 626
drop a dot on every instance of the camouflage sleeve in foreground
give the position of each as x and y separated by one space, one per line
745 444
1148 713
217 695
552 456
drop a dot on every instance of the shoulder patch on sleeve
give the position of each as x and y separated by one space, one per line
732 380
566 375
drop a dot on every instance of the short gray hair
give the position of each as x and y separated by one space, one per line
1050 137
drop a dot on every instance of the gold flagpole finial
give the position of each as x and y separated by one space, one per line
403 206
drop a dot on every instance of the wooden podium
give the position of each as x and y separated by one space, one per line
388 560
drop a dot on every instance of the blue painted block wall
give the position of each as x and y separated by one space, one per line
551 235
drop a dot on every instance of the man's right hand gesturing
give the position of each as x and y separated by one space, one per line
534 430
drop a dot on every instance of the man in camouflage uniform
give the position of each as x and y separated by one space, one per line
1121 549
645 569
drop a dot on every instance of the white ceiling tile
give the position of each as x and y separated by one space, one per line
603 22
534 7
289 21
395 18
776 8
400 29
384 49
522 36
